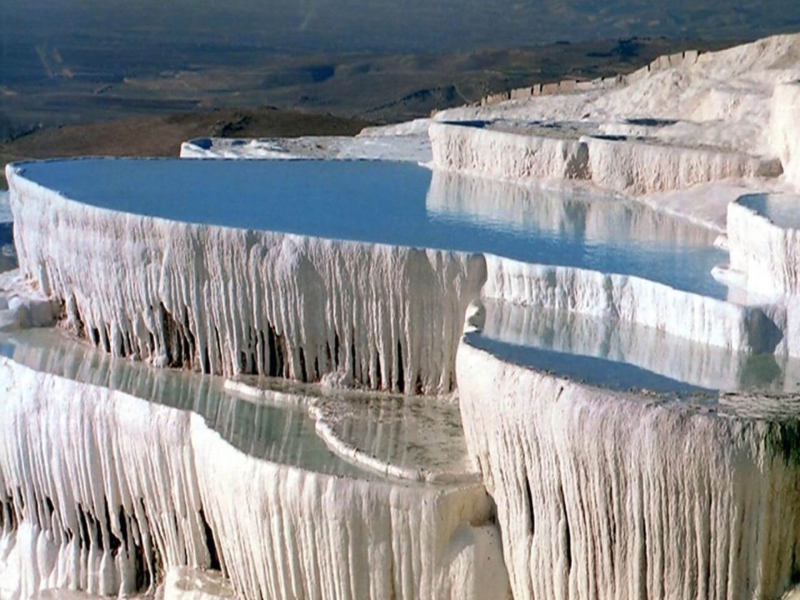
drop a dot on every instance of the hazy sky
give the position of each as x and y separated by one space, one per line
396 25
412 25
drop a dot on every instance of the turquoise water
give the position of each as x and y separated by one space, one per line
399 204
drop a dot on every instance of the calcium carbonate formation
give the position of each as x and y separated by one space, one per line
114 481
614 495
104 491
232 301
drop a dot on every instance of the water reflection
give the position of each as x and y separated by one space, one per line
280 434
407 432
622 355
580 227
402 205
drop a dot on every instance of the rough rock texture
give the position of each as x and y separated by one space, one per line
729 114
638 168
101 491
236 301
613 162
608 495
765 252
784 125
721 101
98 488
506 155
632 299
23 307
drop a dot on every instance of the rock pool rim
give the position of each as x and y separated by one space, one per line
692 403
308 394
704 286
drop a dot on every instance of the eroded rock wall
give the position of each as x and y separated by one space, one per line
231 301
609 495
104 492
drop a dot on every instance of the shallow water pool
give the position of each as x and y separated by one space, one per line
400 204
278 428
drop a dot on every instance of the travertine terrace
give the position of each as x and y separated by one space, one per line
568 368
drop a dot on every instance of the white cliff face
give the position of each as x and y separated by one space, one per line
256 302
507 155
23 306
639 168
100 487
783 126
715 117
719 100
103 491
614 163
632 299
288 539
764 242
609 495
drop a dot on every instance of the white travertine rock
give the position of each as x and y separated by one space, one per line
407 438
764 247
184 583
638 168
611 495
101 490
98 487
614 163
727 115
575 334
234 301
22 305
784 128
628 298
401 142
5 208
401 541
506 155
721 101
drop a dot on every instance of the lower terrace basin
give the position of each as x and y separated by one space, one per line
326 269
172 471
624 356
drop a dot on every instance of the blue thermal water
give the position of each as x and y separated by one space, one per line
396 203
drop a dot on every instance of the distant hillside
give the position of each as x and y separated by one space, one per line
162 135
73 84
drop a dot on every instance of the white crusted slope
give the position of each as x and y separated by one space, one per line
723 115
22 305
608 495
92 483
508 155
103 491
635 300
784 126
